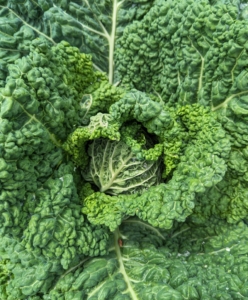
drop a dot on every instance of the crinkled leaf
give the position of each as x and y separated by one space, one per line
196 52
115 169
39 204
90 26
193 166
188 262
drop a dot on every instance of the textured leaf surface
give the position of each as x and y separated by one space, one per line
190 53
42 226
115 169
90 26
205 62
191 167
38 110
196 52
188 262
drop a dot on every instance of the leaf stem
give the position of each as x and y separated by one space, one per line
122 269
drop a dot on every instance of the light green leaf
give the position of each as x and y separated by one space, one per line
115 169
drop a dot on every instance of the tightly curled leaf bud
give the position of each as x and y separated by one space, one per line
115 169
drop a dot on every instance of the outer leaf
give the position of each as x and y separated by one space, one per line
39 204
204 62
196 52
90 26
56 228
29 274
189 262
56 237
38 110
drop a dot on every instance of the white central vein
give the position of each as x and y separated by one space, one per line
122 267
202 66
112 41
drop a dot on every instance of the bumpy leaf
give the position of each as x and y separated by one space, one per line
184 52
28 273
196 52
38 110
56 228
188 262
90 26
196 165
39 204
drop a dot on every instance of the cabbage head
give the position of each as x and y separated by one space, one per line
115 169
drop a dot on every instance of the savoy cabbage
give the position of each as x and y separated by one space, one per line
123 149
